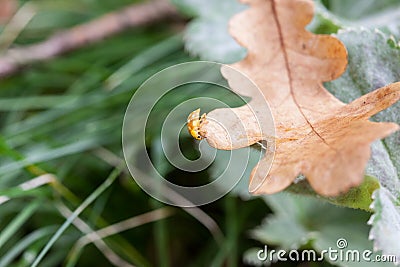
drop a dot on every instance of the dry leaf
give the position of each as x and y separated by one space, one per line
316 134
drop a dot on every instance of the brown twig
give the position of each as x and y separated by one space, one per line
7 9
112 257
132 16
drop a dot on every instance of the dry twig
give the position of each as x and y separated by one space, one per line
132 16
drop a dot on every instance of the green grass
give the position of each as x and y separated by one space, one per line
55 118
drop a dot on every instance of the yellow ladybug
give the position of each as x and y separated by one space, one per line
194 123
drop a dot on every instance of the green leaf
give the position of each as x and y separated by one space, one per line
357 9
207 34
384 14
385 223
373 63
230 164
357 197
293 226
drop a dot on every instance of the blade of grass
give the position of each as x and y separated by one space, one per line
117 242
144 59
29 188
161 239
46 117
111 178
219 258
80 146
100 244
98 207
124 225
205 253
116 228
16 25
24 243
17 222
85 101
196 212
160 227
231 224
39 102
229 252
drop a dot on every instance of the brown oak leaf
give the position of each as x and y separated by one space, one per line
316 134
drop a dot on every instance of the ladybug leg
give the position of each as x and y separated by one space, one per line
202 118
201 122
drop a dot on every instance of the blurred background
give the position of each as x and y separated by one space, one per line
68 70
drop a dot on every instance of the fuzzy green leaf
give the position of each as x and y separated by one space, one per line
293 226
207 35
383 14
373 62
